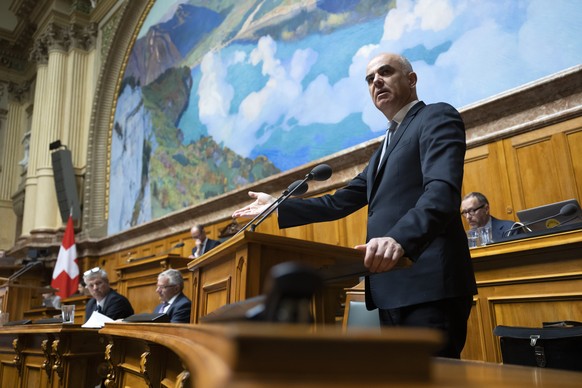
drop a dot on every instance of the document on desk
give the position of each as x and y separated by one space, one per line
97 320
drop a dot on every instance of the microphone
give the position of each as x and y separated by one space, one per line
321 172
179 245
565 211
24 269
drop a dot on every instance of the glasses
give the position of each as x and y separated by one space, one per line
164 287
471 212
90 271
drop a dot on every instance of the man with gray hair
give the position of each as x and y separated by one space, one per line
174 303
105 300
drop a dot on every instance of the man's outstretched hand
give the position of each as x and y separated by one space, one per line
261 203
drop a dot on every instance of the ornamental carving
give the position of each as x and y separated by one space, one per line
63 38
143 367
58 358
18 347
182 379
45 346
19 92
111 369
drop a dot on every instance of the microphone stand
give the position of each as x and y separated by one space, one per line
276 204
290 190
319 173
526 228
23 270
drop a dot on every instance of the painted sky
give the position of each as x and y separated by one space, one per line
464 51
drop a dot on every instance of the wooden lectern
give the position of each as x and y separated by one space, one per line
16 298
236 270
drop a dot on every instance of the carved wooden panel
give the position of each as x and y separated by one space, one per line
573 139
486 172
540 166
215 295
475 345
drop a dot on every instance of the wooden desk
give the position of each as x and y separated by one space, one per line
520 283
524 283
275 355
51 355
251 356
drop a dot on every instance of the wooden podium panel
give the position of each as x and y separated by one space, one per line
50 355
237 269
137 280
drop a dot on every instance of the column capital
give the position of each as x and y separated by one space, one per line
19 92
82 37
39 52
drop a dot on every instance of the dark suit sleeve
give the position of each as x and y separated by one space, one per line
181 313
343 202
90 308
118 307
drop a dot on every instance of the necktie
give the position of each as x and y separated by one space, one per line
164 306
99 309
389 132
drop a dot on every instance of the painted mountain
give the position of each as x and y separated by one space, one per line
217 95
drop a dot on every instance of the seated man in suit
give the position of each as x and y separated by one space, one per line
203 243
174 302
104 300
475 207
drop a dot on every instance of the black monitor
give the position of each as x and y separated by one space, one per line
551 215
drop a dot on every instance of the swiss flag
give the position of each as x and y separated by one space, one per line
66 273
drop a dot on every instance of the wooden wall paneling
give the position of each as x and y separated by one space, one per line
328 232
539 168
355 228
486 172
142 294
269 225
566 178
573 138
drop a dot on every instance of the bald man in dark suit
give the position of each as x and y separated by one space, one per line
412 187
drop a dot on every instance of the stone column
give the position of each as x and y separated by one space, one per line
14 138
7 148
39 54
79 96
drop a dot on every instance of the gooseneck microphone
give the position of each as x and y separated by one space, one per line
321 172
24 269
566 211
179 245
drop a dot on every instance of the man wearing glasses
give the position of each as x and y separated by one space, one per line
475 208
173 301
203 243
105 300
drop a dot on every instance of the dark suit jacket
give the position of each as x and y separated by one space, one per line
116 306
415 199
499 227
209 245
179 311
